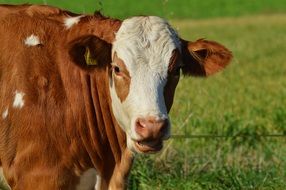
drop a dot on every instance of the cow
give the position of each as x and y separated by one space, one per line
81 95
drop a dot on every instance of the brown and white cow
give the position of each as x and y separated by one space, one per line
84 92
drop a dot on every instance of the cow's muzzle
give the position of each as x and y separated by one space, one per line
152 132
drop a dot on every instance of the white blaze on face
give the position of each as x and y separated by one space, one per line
145 44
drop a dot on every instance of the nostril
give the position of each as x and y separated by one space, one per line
151 128
140 123
140 126
166 130
163 127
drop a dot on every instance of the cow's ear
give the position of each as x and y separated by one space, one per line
89 52
203 57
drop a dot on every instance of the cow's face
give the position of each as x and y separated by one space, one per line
145 69
147 56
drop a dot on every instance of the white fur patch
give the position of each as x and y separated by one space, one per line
18 100
69 22
88 180
98 182
32 40
145 44
5 114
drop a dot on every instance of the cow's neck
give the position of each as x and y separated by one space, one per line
105 141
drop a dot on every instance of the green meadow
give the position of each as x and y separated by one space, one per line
196 9
221 124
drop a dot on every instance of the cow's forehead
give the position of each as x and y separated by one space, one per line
146 40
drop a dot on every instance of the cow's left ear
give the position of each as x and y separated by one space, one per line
203 57
89 52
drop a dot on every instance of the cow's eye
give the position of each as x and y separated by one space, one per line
116 69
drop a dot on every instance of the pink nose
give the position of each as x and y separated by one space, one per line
151 129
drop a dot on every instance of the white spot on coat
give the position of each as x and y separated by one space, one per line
69 22
32 40
18 100
5 114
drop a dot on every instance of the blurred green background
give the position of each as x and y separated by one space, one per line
244 103
168 8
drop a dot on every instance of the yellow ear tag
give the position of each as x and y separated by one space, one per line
88 59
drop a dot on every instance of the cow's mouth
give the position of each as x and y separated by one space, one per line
149 146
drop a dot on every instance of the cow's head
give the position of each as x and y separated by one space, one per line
147 59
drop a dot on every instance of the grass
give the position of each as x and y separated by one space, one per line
169 8
247 99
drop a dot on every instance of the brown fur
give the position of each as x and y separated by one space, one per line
173 79
203 57
122 81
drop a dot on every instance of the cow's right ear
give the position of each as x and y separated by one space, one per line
89 52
